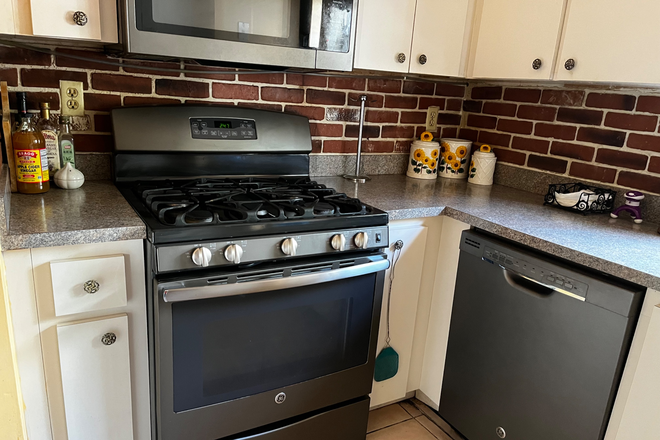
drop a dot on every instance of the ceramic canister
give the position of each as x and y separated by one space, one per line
482 168
423 162
454 158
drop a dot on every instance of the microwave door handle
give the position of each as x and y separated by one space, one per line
224 290
315 24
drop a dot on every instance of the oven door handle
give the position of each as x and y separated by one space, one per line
223 290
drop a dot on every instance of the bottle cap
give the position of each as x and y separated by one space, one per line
21 99
65 119
44 105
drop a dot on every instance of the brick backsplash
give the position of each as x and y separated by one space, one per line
396 107
600 134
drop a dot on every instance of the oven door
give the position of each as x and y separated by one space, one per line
241 350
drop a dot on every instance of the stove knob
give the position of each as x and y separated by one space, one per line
290 246
338 242
202 256
233 253
361 240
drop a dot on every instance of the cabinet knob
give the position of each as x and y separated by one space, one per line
401 57
80 18
537 63
91 286
569 64
423 59
109 339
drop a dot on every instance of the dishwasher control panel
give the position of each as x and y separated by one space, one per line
536 272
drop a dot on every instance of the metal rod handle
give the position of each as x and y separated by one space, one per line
363 102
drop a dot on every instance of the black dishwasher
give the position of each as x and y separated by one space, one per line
536 345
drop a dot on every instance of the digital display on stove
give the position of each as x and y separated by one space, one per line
223 129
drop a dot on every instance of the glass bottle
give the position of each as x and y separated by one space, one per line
30 153
49 132
67 152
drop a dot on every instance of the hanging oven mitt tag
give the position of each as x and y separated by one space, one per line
387 364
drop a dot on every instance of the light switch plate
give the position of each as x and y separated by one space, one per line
73 103
432 119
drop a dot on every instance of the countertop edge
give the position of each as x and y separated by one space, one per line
71 238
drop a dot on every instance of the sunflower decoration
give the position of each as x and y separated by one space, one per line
485 148
450 157
432 164
461 151
427 160
455 165
419 155
444 148
427 136
435 154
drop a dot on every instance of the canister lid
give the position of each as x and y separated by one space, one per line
482 154
425 144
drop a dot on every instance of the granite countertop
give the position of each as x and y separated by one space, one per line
617 247
95 213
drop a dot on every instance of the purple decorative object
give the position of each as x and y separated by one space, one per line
633 200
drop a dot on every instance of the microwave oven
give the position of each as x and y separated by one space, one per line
312 34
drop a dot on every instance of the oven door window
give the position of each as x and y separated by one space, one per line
233 347
273 22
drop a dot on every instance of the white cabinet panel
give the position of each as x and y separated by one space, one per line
403 309
69 278
511 34
7 17
439 34
384 30
96 379
54 18
611 40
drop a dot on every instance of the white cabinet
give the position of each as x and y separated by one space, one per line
7 17
96 379
403 308
74 386
511 34
416 36
611 40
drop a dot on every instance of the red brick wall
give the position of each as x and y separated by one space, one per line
601 135
396 108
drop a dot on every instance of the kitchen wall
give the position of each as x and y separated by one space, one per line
602 134
396 108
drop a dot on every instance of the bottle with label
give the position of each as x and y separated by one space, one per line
49 132
67 152
30 153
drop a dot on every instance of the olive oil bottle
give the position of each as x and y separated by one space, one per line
30 153
67 151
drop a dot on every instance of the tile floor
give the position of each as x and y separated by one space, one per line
408 420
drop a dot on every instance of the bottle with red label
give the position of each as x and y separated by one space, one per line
30 153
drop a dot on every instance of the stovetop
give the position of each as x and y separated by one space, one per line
208 208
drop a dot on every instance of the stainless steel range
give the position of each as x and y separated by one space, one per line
264 287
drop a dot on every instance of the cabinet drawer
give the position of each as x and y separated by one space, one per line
56 19
96 379
88 284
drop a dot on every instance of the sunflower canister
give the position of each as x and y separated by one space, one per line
423 162
454 158
482 166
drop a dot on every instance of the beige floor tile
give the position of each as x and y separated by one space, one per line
389 415
410 430
436 419
410 408
433 428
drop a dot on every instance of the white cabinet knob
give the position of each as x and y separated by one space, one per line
202 256
361 240
338 242
290 246
234 253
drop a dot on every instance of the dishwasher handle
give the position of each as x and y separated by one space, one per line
526 285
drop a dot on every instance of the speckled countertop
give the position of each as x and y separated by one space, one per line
617 247
95 213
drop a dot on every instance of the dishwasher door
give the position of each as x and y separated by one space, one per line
526 361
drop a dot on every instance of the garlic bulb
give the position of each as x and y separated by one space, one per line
68 177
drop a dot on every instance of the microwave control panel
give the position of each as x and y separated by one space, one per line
223 128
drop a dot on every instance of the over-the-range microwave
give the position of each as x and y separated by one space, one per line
314 34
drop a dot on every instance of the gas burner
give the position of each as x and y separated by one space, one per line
249 200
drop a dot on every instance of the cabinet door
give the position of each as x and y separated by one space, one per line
439 37
55 18
7 17
96 379
611 40
384 31
403 309
511 34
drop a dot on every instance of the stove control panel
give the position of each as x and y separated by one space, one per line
250 250
223 128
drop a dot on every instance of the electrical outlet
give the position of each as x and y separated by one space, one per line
432 118
73 103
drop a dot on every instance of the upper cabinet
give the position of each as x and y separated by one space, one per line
416 36
611 40
91 20
516 39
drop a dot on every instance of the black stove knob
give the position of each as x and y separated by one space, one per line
361 240
234 253
202 256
